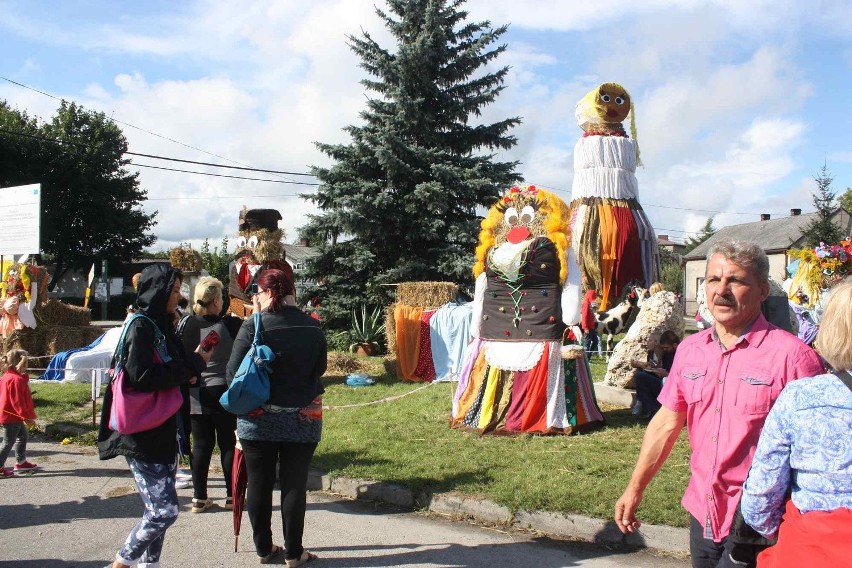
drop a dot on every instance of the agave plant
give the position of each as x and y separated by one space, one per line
367 328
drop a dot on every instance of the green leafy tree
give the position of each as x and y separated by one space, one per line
217 261
671 274
400 203
845 200
705 233
90 204
822 229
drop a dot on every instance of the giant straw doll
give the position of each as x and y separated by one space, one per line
259 246
612 237
527 294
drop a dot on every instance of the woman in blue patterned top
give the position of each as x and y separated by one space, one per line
805 450
287 428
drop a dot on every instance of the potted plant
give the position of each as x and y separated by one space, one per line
367 331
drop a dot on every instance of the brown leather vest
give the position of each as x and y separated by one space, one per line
530 308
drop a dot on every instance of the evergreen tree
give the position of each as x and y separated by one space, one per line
400 204
845 200
671 274
822 229
705 233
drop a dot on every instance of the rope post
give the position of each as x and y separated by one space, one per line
95 377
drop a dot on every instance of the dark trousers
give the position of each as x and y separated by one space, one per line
261 459
648 387
207 431
590 341
704 552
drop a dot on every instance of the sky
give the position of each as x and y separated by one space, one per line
739 103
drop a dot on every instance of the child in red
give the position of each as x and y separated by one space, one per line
17 410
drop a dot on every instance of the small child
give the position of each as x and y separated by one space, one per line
17 410
651 374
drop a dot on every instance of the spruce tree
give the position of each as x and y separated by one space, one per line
705 233
400 203
822 229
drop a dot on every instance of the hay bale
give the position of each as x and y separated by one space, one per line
342 363
55 312
428 295
390 329
49 339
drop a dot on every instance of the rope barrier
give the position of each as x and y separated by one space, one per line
386 399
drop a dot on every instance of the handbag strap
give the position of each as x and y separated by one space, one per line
257 329
845 377
119 349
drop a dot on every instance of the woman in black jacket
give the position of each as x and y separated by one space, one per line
211 424
288 427
151 454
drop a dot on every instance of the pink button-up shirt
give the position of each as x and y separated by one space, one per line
726 395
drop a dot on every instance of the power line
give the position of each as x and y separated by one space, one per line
80 144
221 175
154 134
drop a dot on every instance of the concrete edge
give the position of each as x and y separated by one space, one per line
577 527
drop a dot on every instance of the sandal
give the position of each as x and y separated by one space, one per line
303 559
229 503
276 550
201 505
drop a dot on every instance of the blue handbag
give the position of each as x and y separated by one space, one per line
250 387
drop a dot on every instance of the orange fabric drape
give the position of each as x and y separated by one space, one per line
609 252
407 326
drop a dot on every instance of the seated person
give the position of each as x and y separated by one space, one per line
650 375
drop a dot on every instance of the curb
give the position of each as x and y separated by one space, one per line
575 527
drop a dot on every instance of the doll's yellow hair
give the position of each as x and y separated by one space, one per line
553 210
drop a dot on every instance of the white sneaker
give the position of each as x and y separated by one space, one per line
183 483
181 474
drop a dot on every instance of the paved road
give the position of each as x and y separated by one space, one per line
77 511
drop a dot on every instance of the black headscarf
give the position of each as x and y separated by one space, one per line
155 286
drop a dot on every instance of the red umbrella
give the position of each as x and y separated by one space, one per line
239 481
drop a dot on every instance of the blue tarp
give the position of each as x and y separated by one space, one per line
56 368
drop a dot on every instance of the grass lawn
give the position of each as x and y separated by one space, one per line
408 441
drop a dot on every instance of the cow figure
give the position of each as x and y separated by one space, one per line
618 318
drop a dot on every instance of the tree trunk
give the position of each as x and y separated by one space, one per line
58 273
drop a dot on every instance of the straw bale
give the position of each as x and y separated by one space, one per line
428 295
55 312
49 339
342 363
390 329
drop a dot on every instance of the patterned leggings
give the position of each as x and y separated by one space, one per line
156 485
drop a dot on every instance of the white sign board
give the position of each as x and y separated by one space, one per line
20 217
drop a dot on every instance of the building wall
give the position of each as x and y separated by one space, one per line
694 274
695 270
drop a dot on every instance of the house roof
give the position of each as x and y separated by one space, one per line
772 236
296 253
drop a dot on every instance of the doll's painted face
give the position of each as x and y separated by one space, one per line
521 217
613 103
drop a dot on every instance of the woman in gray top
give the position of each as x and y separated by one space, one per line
210 422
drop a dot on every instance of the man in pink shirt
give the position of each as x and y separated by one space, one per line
722 384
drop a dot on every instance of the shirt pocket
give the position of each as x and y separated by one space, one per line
755 392
693 382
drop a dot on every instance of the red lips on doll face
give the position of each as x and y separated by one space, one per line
517 234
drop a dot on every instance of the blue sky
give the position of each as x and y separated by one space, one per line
738 103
